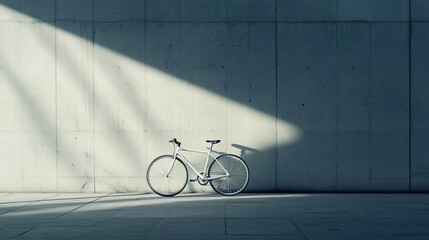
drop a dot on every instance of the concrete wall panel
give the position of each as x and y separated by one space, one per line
389 76
167 98
10 68
75 143
39 161
117 10
10 145
307 77
251 10
318 76
74 77
203 65
290 173
11 148
320 153
163 10
306 10
352 10
419 164
250 73
203 11
353 161
353 71
75 154
7 12
76 10
38 69
119 85
120 184
419 107
118 80
119 161
353 109
39 105
76 184
248 47
420 9
390 10
343 10
420 71
43 10
162 90
290 88
306 97
316 149
389 161
389 106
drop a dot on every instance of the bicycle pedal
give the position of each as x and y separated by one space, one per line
193 180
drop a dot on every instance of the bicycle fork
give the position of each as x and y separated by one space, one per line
176 150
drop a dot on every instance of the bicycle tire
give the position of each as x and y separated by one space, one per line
171 186
232 164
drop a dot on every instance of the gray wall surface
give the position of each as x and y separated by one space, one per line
316 95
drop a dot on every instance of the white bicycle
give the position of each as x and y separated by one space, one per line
227 174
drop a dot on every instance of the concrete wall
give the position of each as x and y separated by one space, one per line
420 96
314 94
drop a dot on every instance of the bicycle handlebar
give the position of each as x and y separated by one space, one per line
174 141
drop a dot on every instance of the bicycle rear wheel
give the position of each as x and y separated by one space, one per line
162 184
239 175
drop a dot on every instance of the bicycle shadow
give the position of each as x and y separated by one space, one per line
244 150
246 153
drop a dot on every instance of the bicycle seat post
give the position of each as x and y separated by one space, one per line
213 142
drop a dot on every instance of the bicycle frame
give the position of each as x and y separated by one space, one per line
177 152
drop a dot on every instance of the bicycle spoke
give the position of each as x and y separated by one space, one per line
238 175
233 184
163 184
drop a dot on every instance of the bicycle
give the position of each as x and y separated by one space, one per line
227 174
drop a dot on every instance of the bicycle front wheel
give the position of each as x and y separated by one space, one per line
163 184
238 177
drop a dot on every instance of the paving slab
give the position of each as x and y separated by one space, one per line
187 216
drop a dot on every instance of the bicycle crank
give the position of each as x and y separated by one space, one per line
201 181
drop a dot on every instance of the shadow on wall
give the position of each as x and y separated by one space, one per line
245 151
294 98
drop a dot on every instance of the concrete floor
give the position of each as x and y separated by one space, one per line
189 216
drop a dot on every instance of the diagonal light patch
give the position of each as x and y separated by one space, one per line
169 107
29 84
173 106
292 133
168 80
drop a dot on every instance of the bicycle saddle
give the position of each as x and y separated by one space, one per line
213 141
